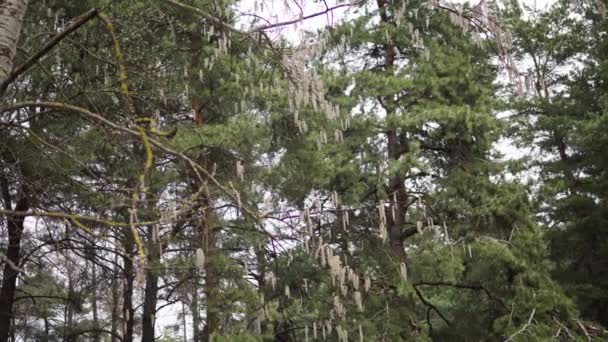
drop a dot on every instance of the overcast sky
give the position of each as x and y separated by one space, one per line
283 10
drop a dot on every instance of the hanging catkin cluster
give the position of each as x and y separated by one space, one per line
305 89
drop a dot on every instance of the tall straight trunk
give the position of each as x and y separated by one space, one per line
399 197
11 20
68 335
212 281
184 326
396 148
206 226
149 314
262 268
196 316
47 330
13 257
151 290
115 317
95 334
127 299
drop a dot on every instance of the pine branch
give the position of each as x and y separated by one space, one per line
463 286
431 306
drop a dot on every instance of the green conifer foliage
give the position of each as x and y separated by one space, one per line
566 122
185 178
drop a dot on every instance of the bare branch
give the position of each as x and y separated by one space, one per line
463 286
214 20
431 306
524 327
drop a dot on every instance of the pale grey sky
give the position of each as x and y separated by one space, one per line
283 10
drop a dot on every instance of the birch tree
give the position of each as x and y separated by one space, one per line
11 19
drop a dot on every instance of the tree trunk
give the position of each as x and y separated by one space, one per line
395 149
13 256
261 279
206 227
211 280
149 313
11 19
196 316
95 334
47 330
151 290
115 302
399 198
68 333
184 326
127 299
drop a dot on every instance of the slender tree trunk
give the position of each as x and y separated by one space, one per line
68 335
13 257
151 290
115 302
127 299
47 329
262 267
95 334
11 19
184 326
212 282
196 316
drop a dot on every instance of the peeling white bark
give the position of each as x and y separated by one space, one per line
11 19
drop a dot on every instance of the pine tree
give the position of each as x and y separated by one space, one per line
345 188
565 121
435 229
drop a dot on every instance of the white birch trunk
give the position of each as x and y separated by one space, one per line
11 19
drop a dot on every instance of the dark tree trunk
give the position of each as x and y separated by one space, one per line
47 330
151 290
396 148
211 282
399 198
115 302
95 335
127 299
149 314
13 257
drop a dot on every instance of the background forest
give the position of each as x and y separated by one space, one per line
419 170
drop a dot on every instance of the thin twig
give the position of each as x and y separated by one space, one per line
463 286
218 22
524 327
431 306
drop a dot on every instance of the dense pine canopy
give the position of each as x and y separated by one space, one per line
413 170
